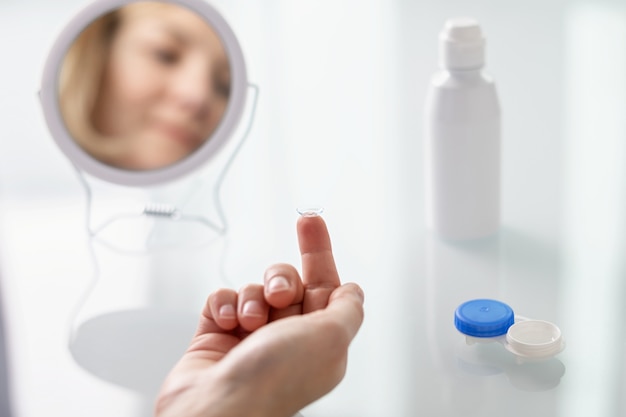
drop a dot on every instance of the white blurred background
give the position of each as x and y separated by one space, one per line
342 85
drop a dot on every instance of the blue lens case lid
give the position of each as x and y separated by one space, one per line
483 318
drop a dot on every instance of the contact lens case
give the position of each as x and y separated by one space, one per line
486 320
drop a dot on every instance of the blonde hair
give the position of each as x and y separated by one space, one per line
80 79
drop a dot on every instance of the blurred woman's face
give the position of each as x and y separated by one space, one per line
165 85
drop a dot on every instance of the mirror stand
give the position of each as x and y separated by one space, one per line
156 254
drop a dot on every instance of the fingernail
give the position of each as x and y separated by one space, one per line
252 308
227 311
278 284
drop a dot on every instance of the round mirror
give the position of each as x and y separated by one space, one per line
143 92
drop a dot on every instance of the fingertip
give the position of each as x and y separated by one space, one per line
282 286
278 292
227 312
252 309
312 229
277 284
223 308
351 292
353 289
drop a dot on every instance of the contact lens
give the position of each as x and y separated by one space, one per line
310 211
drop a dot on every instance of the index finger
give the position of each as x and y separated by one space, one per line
319 272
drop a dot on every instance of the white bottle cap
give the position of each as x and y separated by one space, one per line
461 44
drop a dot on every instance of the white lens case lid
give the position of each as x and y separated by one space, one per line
534 339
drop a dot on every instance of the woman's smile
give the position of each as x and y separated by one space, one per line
179 132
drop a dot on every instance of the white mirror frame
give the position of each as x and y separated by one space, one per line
49 96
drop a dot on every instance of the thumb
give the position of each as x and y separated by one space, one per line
345 307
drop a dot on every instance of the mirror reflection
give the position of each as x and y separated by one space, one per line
144 86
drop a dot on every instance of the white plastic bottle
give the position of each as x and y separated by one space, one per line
462 138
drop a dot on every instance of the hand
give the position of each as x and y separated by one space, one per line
269 350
